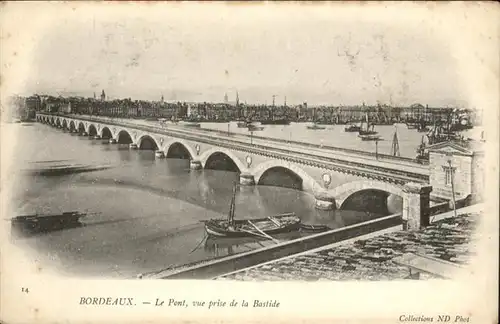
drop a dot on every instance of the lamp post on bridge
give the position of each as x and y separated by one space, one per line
376 149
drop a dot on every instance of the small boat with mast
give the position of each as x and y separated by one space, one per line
368 133
369 129
260 227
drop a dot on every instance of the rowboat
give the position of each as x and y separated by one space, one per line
313 228
261 227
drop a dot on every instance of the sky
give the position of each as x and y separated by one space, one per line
187 55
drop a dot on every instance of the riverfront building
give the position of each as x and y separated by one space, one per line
456 167
234 110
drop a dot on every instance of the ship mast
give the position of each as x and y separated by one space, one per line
230 217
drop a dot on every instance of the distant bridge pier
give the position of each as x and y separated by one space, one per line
324 200
247 179
195 165
416 206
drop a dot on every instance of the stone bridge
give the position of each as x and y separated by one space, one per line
333 176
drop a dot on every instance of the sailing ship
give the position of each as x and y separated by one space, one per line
422 152
261 227
370 128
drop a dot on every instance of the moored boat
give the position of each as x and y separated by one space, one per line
133 146
369 129
313 228
369 137
159 154
352 128
253 128
244 123
280 121
45 223
261 227
189 124
63 169
315 126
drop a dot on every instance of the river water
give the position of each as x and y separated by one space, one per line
334 135
149 210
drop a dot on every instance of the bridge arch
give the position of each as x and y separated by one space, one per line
58 122
179 148
124 137
92 130
216 153
349 190
147 142
64 123
72 125
81 127
106 133
261 171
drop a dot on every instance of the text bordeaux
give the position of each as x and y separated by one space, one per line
109 301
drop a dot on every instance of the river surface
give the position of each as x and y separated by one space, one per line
334 135
148 210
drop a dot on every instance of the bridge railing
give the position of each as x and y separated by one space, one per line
285 154
379 156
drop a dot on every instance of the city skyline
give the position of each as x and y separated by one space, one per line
315 58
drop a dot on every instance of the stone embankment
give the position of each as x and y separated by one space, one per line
372 259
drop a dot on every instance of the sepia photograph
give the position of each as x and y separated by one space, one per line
248 142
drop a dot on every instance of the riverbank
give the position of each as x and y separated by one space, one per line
448 239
